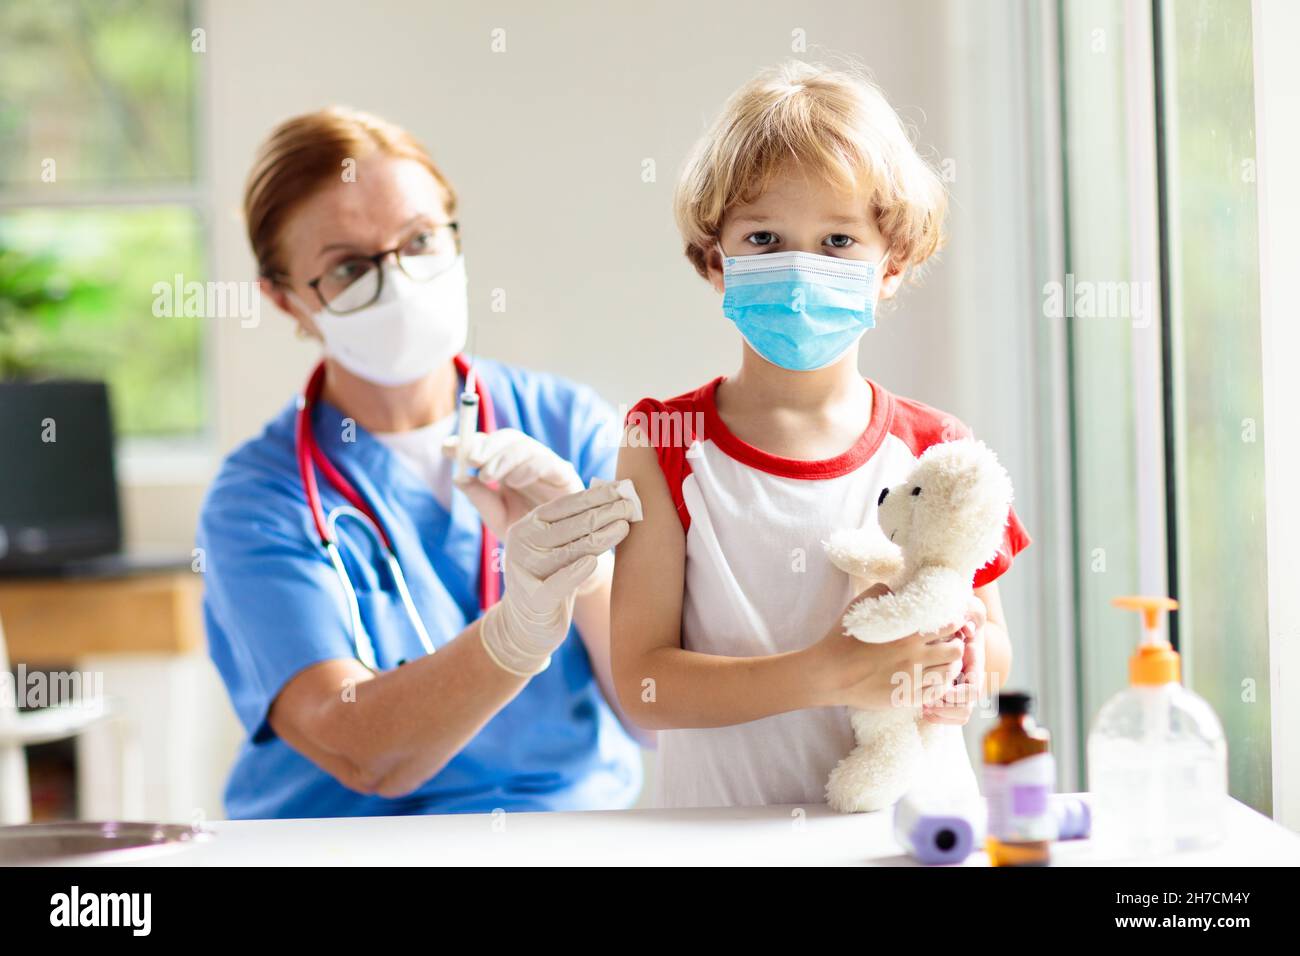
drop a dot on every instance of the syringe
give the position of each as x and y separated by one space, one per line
467 424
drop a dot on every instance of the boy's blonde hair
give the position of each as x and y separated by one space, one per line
830 122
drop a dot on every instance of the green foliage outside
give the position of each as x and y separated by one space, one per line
96 103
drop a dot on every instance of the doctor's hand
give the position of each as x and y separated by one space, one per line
549 555
516 473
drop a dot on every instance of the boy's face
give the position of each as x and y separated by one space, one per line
799 212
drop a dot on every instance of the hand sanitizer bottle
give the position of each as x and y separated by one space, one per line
1157 760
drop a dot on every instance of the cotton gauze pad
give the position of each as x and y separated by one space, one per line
626 491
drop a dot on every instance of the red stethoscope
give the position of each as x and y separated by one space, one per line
358 509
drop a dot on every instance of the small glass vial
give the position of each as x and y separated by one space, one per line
1019 777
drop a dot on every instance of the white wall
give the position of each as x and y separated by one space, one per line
545 144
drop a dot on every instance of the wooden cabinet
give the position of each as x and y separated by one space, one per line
61 620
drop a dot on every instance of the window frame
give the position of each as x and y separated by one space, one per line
1277 151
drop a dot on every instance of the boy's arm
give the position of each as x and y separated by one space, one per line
997 642
591 613
660 685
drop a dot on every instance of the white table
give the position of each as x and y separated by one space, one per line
733 836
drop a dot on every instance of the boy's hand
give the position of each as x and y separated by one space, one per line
863 676
959 703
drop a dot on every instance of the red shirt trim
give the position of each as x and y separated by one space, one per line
670 428
866 445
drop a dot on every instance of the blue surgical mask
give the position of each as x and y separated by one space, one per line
799 310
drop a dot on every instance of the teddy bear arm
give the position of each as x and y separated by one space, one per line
889 617
945 595
865 554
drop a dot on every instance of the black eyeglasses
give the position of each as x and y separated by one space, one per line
358 281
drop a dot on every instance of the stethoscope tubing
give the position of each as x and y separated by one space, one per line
310 458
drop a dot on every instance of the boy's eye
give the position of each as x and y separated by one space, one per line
762 238
839 241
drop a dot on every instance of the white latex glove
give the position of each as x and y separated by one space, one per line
604 572
549 554
525 472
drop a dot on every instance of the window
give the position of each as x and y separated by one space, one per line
100 201
1211 229
1108 309
1165 364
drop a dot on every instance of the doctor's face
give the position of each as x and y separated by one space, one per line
391 203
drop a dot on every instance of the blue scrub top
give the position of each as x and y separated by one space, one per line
273 606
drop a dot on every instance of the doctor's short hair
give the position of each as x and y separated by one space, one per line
835 124
306 152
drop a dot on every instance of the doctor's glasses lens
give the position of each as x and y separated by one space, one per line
429 253
350 285
356 282
422 268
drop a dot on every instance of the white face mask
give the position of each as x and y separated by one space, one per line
410 330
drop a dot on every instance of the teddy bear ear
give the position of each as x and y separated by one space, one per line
963 452
971 456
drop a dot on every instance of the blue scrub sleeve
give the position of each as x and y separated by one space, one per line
272 601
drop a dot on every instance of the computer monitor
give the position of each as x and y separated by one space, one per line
58 486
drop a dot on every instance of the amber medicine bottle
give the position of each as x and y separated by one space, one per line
1019 776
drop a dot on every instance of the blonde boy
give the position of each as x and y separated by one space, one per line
805 204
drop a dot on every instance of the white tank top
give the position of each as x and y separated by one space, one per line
758 582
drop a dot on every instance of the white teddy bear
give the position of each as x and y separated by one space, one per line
936 529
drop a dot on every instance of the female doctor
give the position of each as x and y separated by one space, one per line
384 655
